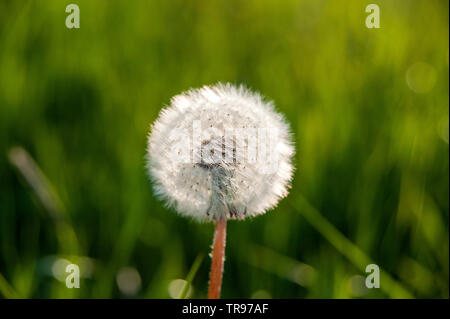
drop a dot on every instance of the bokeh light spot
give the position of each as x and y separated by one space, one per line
261 294
421 77
357 286
128 280
59 268
176 286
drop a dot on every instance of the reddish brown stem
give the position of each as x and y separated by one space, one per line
218 258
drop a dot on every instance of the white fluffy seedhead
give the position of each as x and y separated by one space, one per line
220 152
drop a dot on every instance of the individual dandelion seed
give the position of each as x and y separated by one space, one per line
217 153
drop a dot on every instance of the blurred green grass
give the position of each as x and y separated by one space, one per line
368 110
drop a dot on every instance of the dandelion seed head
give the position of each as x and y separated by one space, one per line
220 152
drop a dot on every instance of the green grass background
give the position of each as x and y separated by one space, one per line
368 110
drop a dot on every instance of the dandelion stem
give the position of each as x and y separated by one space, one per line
218 258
